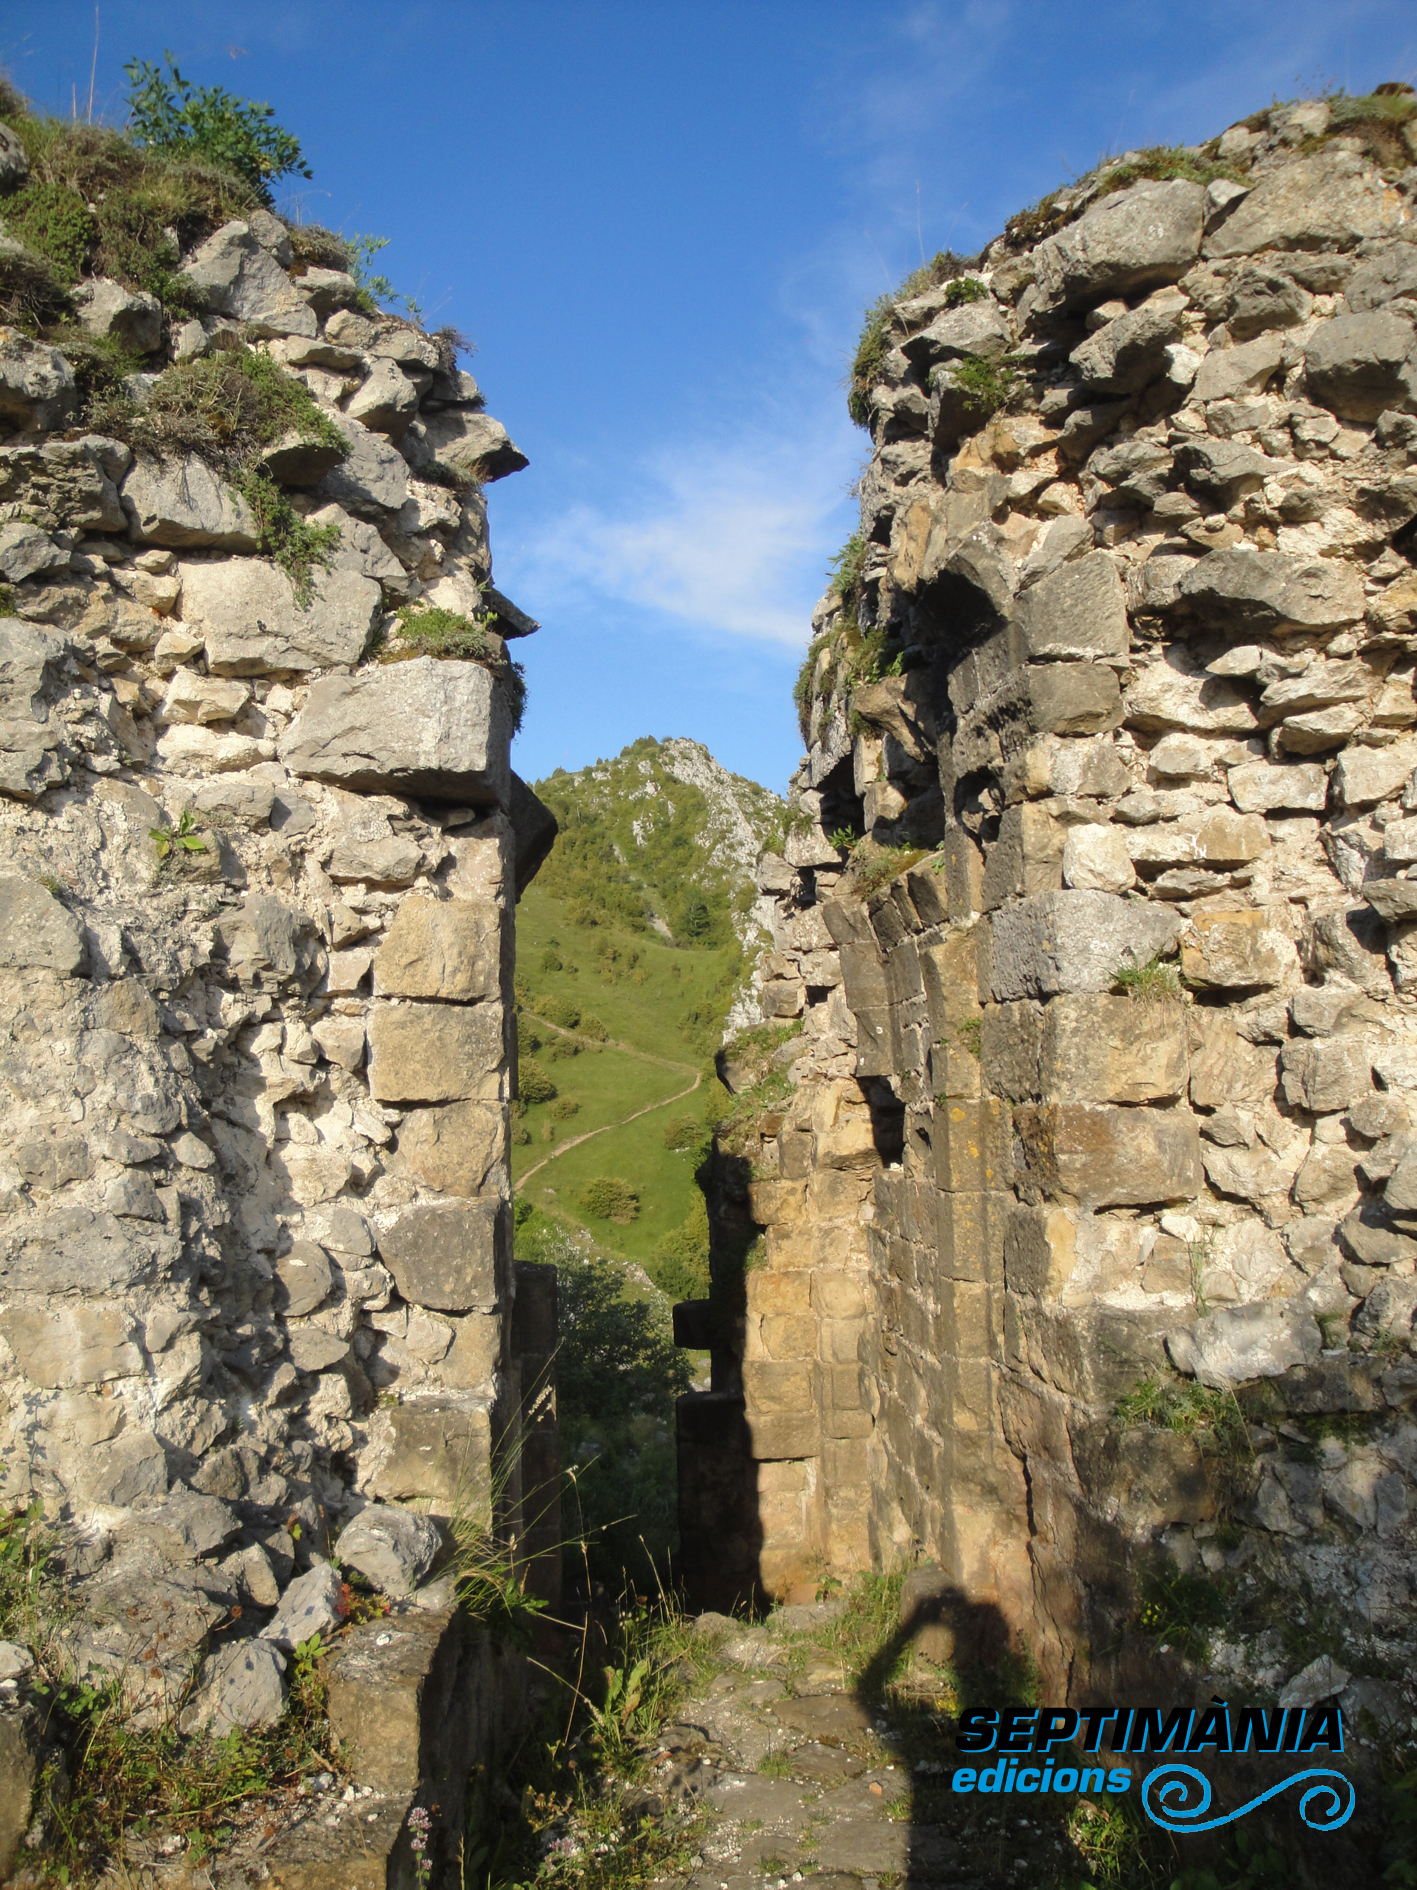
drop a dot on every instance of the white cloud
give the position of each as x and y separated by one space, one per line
727 536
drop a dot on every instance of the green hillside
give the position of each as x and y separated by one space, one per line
632 944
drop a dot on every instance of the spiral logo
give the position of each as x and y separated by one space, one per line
1327 1804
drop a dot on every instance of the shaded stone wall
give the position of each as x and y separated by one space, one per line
1106 1070
257 1040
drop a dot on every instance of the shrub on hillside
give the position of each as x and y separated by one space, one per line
564 1107
592 1027
607 1198
533 1083
680 1263
558 1010
681 1133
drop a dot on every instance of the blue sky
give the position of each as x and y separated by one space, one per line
660 223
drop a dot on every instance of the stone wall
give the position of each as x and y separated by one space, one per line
1107 1076
257 1040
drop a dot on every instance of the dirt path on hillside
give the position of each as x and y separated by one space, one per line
629 1050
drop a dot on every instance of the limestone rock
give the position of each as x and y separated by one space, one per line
452 1149
393 1548
1261 787
36 930
1361 365
34 745
309 1606
312 1349
131 317
1104 1157
1096 858
25 551
1237 951
1244 1342
1231 373
240 1687
1079 610
1134 239
305 1278
37 390
84 1344
432 1053
448 1257
448 949
1329 201
66 483
1071 699
472 443
1269 590
14 169
1074 941
372 480
1112 1050
266 937
1129 352
534 827
236 276
425 727
386 402
247 612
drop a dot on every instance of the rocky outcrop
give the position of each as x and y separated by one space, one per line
1105 1078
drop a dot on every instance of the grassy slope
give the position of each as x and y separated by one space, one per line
644 1011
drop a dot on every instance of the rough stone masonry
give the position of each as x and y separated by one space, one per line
256 1024
1111 1078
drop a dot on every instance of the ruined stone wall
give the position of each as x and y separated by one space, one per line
1108 1058
257 1042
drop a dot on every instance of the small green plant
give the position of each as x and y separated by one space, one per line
845 570
292 542
869 359
806 676
1188 1408
843 839
1153 983
1181 1611
964 289
564 1108
434 631
166 114
376 291
608 1198
987 385
7 601
970 1033
174 841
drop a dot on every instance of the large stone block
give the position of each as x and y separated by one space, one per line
971 1145
1073 698
436 1053
1134 239
1237 951
451 1257
233 275
1074 941
439 1453
33 739
246 611
1259 591
1079 610
1325 202
441 948
440 730
1244 1342
1040 1250
35 930
453 1149
84 1344
1361 365
1103 1157
1112 1050
182 503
